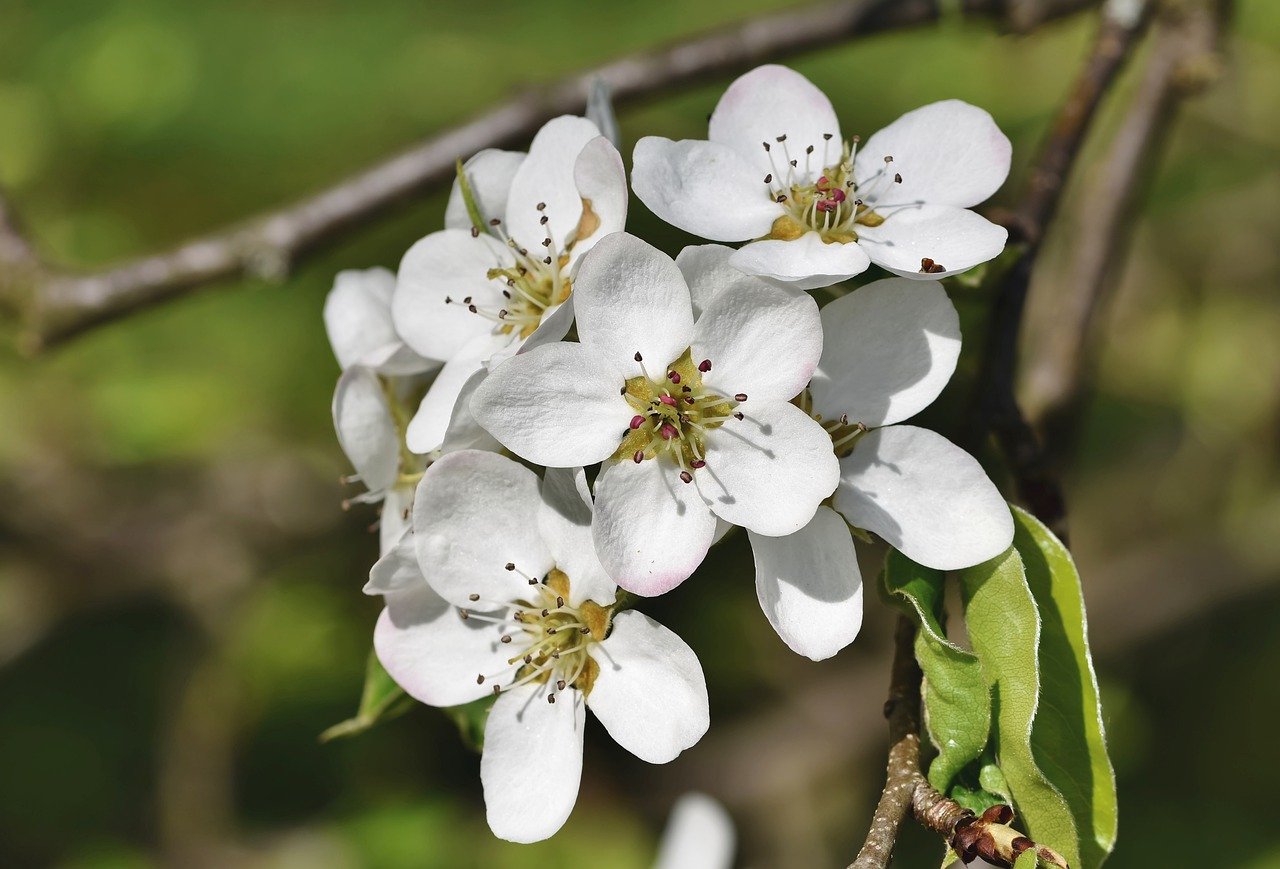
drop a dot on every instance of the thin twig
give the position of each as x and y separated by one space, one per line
1183 60
996 408
903 775
57 304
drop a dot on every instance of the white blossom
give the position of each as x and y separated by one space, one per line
501 279
690 420
357 316
515 603
815 209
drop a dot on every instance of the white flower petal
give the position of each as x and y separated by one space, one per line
925 496
394 520
366 431
772 101
889 349
357 316
953 238
809 585
769 471
476 512
397 570
565 521
707 271
708 189
557 405
764 341
699 835
651 530
948 153
431 652
464 433
650 693
426 431
450 264
532 762
489 172
601 180
807 263
630 298
546 178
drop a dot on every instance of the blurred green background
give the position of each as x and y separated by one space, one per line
180 612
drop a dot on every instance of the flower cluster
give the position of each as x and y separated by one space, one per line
552 410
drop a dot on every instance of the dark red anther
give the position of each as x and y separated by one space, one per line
667 400
837 195
741 396
704 366
638 457
673 376
668 431
686 476
697 463
636 422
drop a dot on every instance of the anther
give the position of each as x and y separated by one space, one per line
463 614
793 164
475 232
888 158
546 261
697 463
768 179
668 431
782 138
766 145
551 698
667 400
495 222
897 177
782 197
546 242
506 638
929 267
809 150
704 366
542 221
636 422
511 565
560 684
448 300
827 136
473 597
480 679
559 601
472 308
741 396
623 390
497 689
638 357
686 476
673 376
739 415
638 457
542 206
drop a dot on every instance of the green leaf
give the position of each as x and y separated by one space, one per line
469 200
958 719
1028 860
975 800
1004 628
381 700
471 718
1067 737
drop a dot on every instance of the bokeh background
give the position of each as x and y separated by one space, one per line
180 614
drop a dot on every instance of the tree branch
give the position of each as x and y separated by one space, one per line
996 408
57 304
1183 61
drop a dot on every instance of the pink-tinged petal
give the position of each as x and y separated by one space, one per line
707 271
602 183
475 513
809 585
630 298
701 187
955 240
432 652
773 101
366 431
565 522
651 529
447 265
357 316
558 405
807 263
650 693
769 471
489 173
426 431
761 340
948 153
546 178
532 762
890 348
925 496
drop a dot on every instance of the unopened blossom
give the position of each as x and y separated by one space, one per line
500 275
357 317
890 348
496 589
691 421
369 418
815 208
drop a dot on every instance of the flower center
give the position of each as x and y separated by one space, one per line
548 637
835 203
674 414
